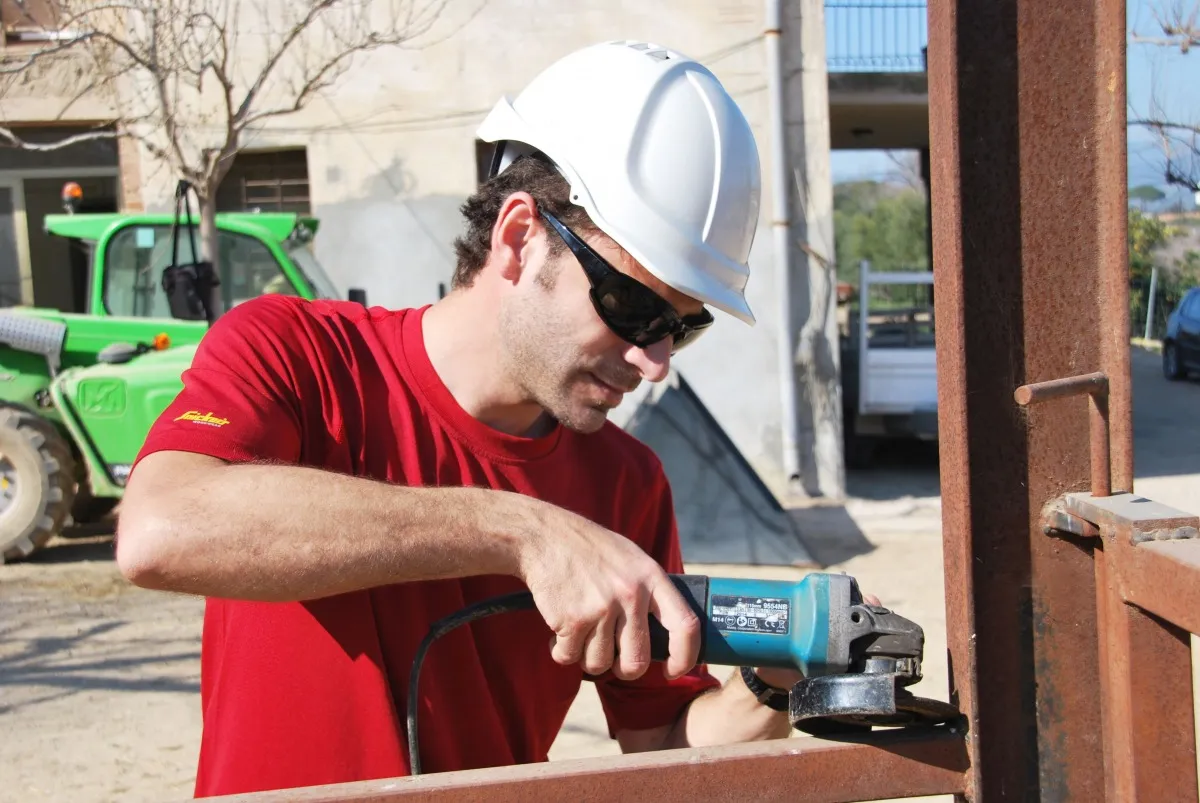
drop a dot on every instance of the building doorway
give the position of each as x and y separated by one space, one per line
59 267
11 244
37 268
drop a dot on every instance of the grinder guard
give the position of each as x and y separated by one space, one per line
885 652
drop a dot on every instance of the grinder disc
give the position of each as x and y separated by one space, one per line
858 702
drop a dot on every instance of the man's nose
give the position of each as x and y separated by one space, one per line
653 361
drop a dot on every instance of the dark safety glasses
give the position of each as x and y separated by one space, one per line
633 311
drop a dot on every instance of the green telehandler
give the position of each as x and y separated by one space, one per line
80 390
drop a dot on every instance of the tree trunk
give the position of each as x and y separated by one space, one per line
210 251
208 230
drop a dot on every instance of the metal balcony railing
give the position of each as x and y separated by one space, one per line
875 35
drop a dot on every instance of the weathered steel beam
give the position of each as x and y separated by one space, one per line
1027 127
1147 576
801 770
1163 578
1154 551
1146 680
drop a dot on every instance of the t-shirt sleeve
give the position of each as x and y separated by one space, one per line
241 394
652 701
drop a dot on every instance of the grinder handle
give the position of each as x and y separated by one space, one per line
694 588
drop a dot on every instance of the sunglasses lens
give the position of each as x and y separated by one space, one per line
690 332
633 311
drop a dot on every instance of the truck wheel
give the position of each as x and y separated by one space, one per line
37 485
858 450
860 453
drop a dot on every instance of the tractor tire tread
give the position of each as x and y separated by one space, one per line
58 472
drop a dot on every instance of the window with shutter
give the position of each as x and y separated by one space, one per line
29 20
267 181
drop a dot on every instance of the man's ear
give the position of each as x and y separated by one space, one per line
512 235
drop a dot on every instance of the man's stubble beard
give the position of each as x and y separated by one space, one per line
537 354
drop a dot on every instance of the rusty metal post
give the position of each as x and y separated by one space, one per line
1147 568
1146 678
1109 160
1027 141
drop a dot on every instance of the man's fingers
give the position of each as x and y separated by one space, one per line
598 649
633 640
568 646
683 628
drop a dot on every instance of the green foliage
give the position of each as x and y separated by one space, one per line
886 225
1146 235
1146 194
882 223
1176 276
1189 268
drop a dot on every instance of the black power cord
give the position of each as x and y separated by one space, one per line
694 589
522 600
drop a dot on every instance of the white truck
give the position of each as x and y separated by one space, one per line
889 366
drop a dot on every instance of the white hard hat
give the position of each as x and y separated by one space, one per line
656 151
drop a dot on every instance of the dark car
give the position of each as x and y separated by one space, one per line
1181 346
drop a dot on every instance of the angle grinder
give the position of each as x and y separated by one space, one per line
857 658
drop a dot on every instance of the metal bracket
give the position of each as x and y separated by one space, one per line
1096 387
1056 518
1144 520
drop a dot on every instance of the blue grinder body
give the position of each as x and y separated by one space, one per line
770 623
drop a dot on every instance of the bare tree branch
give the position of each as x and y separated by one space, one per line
1179 22
1192 128
42 147
315 83
289 38
30 59
189 79
1179 142
1180 145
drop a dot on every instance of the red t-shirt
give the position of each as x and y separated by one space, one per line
299 694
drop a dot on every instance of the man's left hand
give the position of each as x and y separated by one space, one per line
786 678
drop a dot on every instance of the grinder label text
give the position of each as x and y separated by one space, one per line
751 614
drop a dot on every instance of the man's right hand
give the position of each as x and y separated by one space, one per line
595 589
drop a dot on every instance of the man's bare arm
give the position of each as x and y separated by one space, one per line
729 715
195 524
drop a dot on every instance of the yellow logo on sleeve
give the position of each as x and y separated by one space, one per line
198 417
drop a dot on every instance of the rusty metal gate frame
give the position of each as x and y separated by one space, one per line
1069 599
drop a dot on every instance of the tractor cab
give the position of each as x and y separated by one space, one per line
131 257
145 276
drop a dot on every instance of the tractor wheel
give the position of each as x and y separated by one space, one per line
37 482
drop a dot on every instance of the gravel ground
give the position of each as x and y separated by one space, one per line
99 680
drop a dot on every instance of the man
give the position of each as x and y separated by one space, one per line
349 476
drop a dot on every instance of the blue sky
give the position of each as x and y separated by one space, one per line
1153 74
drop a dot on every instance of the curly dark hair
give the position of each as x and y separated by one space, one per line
533 174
